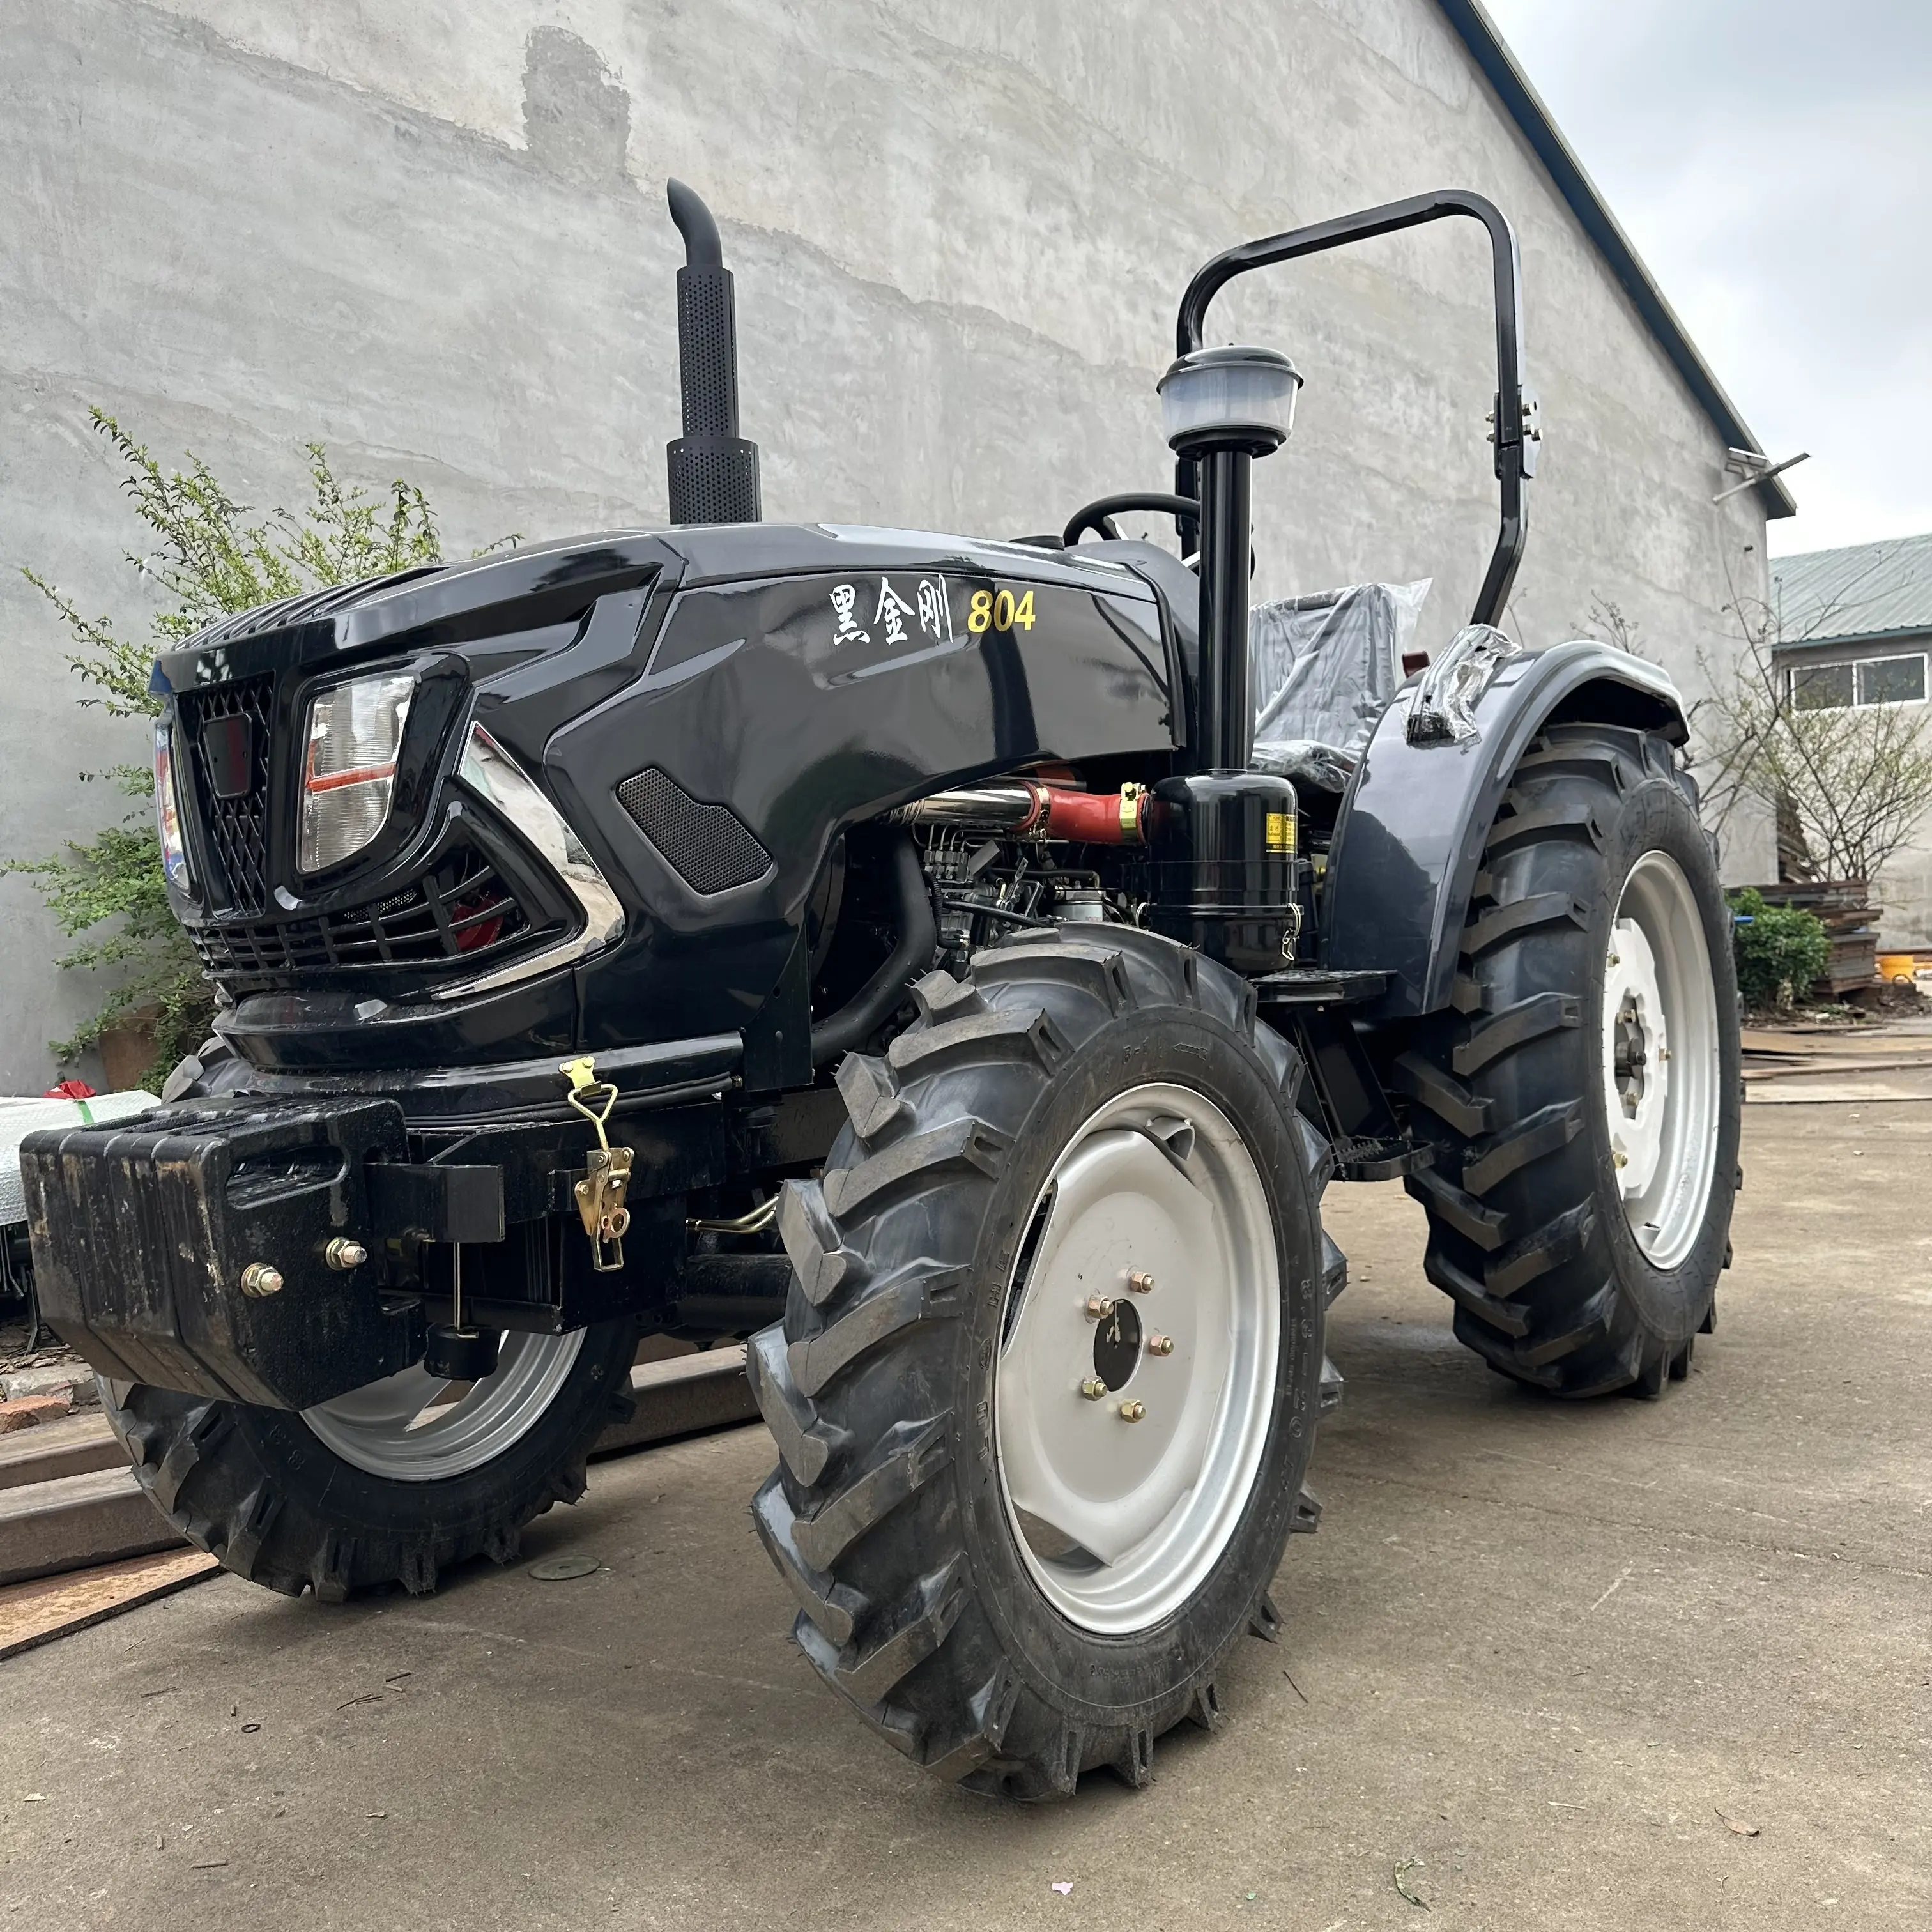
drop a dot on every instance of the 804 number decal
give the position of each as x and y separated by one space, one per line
999 610
856 614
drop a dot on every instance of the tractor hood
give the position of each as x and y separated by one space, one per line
528 593
698 715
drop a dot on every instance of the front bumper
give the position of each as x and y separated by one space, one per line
142 1232
145 1234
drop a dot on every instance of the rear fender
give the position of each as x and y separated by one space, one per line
1410 837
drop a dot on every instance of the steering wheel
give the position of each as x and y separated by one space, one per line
1099 515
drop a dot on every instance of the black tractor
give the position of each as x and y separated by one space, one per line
887 947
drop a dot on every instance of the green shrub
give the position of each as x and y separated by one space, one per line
209 560
1779 949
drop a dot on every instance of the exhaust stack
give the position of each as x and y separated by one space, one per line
714 471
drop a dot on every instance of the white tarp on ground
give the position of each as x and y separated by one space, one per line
20 1117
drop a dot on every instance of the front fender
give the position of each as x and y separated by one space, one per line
1410 835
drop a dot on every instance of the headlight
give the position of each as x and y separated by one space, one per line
354 732
167 810
492 773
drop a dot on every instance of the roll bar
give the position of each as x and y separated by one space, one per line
1515 434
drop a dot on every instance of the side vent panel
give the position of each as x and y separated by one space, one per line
707 846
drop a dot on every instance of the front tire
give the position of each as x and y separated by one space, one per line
1013 1579
385 1485
364 1491
1583 1097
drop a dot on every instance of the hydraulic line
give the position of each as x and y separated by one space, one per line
918 935
1025 809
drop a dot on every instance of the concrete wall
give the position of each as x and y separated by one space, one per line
432 235
1904 891
1904 886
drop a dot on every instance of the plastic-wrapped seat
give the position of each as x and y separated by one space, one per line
1321 670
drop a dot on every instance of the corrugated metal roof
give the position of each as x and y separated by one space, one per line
1525 106
1865 590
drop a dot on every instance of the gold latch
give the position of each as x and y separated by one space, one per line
600 1194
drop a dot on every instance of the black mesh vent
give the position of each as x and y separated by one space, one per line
707 845
459 910
713 480
237 828
707 351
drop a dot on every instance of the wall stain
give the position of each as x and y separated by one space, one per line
577 118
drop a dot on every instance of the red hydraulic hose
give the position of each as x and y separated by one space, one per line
1093 818
1025 809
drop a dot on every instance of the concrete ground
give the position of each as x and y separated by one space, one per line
1629 1665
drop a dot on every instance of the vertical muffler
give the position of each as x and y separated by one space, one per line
714 471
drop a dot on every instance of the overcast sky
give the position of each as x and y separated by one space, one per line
1772 162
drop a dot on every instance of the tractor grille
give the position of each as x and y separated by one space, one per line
237 827
459 910
708 846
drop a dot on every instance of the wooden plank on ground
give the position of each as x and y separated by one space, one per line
75 1522
52 1607
75 1445
1883 1090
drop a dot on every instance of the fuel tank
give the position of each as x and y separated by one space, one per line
708 708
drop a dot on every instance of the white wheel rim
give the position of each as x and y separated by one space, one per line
1119 1523
1661 1059
396 1428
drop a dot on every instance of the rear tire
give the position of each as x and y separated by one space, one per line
1583 1251
977 1644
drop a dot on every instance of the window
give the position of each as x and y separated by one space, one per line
1821 687
1831 687
1892 681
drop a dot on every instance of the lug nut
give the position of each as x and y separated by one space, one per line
343 1254
1093 1388
1132 1412
1621 1159
1141 1281
1099 1307
1160 1345
261 1278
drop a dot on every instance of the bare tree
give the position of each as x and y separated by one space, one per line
1849 783
1607 621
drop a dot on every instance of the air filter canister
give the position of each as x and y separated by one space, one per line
1223 870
